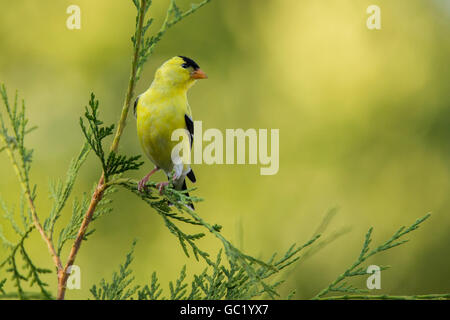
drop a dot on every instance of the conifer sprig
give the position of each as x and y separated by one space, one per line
95 133
21 158
255 270
147 43
60 192
218 281
116 164
118 289
340 285
18 252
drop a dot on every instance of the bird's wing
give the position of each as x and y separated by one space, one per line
190 128
135 106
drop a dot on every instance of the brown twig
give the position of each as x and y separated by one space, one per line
96 197
102 186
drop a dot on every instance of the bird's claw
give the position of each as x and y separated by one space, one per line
161 185
142 185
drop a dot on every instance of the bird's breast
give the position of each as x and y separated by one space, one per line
155 124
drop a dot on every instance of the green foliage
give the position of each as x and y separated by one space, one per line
15 144
60 192
32 274
218 281
79 208
254 269
355 270
118 289
113 164
232 281
15 147
147 43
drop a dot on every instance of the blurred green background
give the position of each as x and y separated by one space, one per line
363 118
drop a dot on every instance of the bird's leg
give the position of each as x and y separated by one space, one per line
141 184
161 185
177 172
175 177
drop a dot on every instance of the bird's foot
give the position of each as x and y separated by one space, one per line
141 184
162 185
144 180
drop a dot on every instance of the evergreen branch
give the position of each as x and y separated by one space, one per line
70 231
217 281
96 197
366 253
179 290
34 273
19 122
8 215
141 12
117 289
323 242
162 208
95 132
16 246
180 201
136 63
152 292
61 193
27 219
173 16
79 207
98 193
17 277
117 164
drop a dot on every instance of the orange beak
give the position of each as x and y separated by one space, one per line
198 74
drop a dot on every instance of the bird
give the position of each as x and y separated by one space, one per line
162 109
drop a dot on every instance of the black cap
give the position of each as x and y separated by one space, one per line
189 63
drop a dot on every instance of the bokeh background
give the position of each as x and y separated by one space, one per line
363 118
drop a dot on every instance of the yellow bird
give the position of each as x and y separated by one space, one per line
161 110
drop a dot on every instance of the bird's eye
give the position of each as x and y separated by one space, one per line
185 65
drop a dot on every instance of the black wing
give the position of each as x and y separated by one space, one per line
190 127
135 106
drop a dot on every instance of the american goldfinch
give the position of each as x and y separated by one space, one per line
161 110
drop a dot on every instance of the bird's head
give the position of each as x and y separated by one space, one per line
180 72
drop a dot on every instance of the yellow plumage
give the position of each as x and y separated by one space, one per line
161 110
158 115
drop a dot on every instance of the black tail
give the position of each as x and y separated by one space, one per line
191 176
